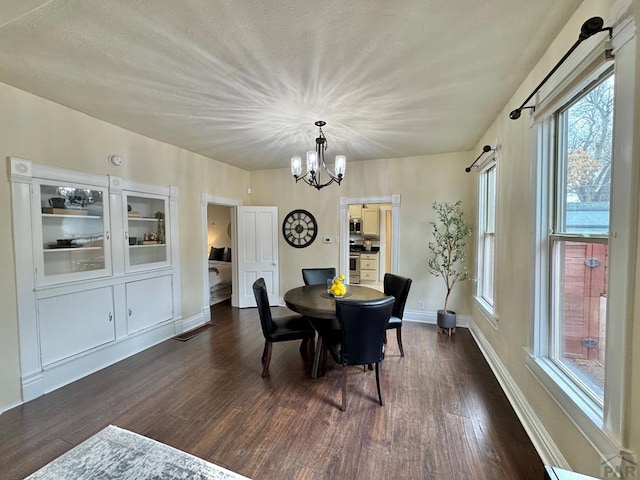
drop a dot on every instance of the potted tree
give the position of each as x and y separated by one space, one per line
450 236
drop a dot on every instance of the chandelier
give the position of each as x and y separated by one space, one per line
314 158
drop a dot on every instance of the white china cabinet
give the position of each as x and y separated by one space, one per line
97 271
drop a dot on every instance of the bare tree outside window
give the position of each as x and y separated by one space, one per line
589 144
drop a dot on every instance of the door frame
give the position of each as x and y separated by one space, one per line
394 200
205 200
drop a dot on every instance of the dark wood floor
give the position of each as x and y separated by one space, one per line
445 415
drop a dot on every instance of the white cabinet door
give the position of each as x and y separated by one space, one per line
257 253
76 322
370 222
146 231
355 211
70 232
149 302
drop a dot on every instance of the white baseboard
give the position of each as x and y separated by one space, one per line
431 317
543 443
185 324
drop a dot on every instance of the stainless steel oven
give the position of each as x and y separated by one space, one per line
354 268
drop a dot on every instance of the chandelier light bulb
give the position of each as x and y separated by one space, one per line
312 161
340 165
296 166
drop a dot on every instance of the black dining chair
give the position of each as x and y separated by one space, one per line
361 338
280 329
317 276
398 287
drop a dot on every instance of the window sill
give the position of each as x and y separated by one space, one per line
487 312
586 414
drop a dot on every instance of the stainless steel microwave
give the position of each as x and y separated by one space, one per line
355 225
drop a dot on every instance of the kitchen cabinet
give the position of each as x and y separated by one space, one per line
97 267
368 267
355 211
370 222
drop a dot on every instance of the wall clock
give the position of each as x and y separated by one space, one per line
299 228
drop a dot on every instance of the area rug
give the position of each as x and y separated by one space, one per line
115 453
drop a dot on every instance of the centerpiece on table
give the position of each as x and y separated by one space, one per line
336 287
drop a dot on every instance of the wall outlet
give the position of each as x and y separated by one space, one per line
420 305
326 239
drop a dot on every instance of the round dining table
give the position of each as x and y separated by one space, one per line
314 301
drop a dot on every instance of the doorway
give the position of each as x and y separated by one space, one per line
220 248
385 244
221 235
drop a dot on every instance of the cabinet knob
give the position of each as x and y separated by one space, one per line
107 235
126 235
130 312
110 316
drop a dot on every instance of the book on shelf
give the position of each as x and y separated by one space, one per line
64 211
134 214
150 242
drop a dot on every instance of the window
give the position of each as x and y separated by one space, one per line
575 207
579 236
486 237
585 221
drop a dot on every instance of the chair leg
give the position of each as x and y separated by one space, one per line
378 382
399 337
316 359
304 348
344 388
311 347
323 362
266 358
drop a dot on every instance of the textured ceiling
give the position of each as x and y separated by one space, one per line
243 81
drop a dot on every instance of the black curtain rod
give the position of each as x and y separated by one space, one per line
485 149
589 28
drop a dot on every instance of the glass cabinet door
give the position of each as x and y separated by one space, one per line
146 231
72 232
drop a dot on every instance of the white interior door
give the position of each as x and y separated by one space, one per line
257 253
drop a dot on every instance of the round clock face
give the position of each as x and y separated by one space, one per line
299 228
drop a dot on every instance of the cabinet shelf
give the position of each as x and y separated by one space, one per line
142 219
71 249
62 215
152 245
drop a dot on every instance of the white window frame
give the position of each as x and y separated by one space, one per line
603 425
486 305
